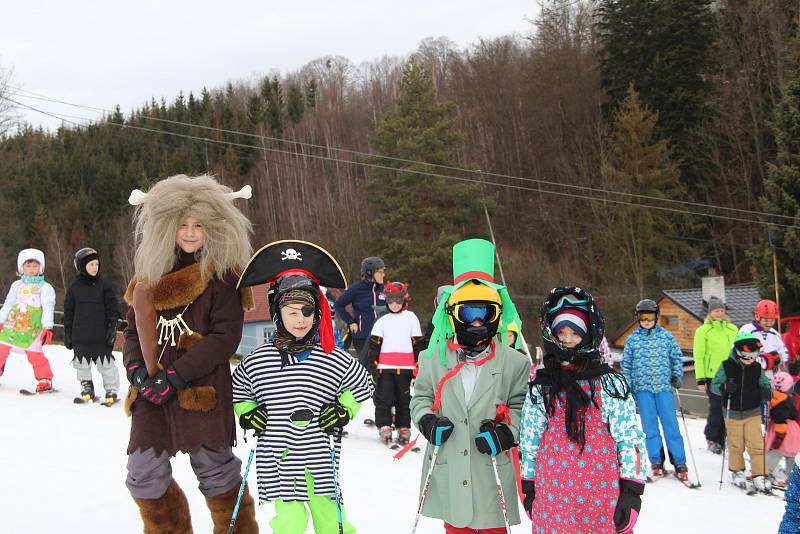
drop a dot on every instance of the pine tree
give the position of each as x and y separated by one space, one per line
782 197
662 47
636 163
419 217
295 104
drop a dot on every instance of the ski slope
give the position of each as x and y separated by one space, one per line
63 471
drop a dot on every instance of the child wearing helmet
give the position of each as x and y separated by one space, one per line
90 326
773 352
743 387
391 358
652 364
26 318
583 465
783 432
467 400
298 391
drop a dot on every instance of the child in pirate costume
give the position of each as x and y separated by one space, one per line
467 399
26 318
184 324
392 358
298 390
582 449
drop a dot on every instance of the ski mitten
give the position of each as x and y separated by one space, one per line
137 374
46 337
729 388
529 490
435 429
163 386
494 437
628 505
332 416
255 419
111 334
777 440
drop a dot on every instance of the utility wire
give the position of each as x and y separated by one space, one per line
38 96
414 171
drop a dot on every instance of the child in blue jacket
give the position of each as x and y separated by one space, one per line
651 362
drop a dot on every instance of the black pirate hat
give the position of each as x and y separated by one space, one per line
279 257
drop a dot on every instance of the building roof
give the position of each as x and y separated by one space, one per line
261 310
740 301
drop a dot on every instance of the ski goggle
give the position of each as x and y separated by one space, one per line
647 316
749 350
468 312
568 301
398 298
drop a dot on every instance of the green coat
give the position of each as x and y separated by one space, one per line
712 344
463 490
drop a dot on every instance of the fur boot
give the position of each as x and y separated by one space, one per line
221 508
169 514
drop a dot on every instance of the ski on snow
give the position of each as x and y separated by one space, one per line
29 393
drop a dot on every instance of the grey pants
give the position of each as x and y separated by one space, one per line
149 474
774 458
107 368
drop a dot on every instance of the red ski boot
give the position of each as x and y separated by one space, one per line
45 385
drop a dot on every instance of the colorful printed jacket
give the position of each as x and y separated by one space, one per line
650 359
618 414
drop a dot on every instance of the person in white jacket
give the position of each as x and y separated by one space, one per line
773 353
27 317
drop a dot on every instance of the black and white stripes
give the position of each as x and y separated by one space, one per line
291 457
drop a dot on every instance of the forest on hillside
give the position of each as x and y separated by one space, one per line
622 145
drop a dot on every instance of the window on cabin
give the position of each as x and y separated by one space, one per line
669 320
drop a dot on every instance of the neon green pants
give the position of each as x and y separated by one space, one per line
292 517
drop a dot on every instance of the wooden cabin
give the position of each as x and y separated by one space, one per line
683 311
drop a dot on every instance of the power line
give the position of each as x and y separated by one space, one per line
38 96
419 172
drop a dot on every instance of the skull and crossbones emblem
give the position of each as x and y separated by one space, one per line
291 254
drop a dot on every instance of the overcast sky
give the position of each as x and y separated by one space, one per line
101 53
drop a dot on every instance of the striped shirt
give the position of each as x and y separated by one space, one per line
286 450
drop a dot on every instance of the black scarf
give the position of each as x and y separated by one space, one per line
553 379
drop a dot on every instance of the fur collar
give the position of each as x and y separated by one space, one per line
179 288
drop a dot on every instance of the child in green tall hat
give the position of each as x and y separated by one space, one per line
467 400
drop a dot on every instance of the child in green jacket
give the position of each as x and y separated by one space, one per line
712 344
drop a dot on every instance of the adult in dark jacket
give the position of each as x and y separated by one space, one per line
364 296
184 324
90 325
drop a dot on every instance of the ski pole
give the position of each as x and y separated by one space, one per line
688 440
503 506
426 487
725 444
332 445
241 489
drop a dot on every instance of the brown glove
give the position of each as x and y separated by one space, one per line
145 310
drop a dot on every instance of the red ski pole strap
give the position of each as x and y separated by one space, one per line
437 398
503 416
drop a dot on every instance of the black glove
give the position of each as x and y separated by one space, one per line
255 419
137 374
703 381
68 339
729 388
494 438
529 489
332 416
628 505
766 395
111 334
435 429
159 389
675 381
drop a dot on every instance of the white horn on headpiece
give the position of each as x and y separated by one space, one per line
244 192
137 197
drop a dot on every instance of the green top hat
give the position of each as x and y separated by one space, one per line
473 259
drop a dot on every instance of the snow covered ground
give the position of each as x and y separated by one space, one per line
62 468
